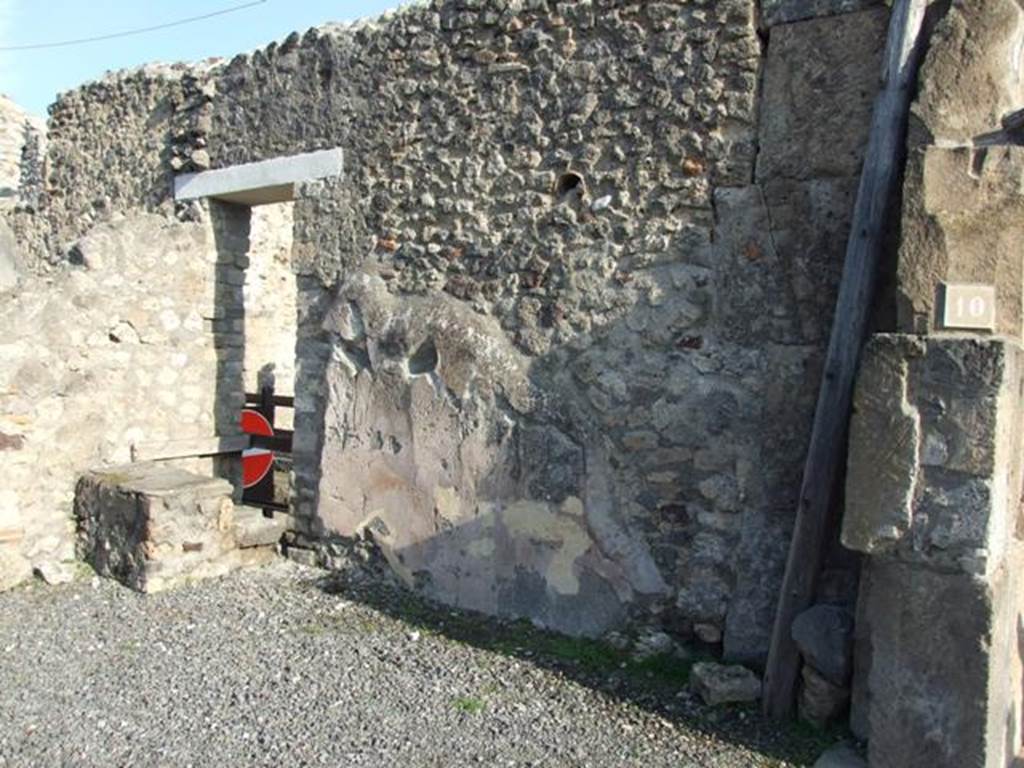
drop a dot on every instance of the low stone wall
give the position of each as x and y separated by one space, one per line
153 526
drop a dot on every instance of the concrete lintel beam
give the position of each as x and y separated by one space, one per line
269 181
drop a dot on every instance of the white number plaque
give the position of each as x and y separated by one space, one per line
970 306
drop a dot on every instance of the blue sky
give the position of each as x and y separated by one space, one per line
33 78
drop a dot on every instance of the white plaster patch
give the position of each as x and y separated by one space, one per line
566 536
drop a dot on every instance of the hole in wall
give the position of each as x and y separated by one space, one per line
978 158
569 182
424 360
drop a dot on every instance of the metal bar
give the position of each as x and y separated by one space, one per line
215 445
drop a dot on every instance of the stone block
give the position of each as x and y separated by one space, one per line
268 181
971 76
943 667
722 684
824 635
884 437
779 250
307 557
963 222
934 451
821 702
252 529
54 572
153 527
820 81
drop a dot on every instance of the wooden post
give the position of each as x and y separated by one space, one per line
879 179
268 407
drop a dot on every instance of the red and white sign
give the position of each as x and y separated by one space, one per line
256 462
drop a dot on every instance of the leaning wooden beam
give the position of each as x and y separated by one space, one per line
215 445
878 185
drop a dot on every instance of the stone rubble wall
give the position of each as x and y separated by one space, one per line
558 330
22 143
22 148
139 344
109 150
568 402
560 326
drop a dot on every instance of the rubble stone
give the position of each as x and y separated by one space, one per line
54 573
841 756
824 635
721 684
821 702
252 529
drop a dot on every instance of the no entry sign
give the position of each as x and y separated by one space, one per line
256 462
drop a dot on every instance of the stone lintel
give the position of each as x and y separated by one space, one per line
268 181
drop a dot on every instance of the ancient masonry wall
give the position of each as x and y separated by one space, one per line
560 325
136 346
22 148
578 292
934 487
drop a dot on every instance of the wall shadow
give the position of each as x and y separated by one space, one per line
657 684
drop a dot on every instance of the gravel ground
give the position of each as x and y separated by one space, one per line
284 666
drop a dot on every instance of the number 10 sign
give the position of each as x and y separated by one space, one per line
970 306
